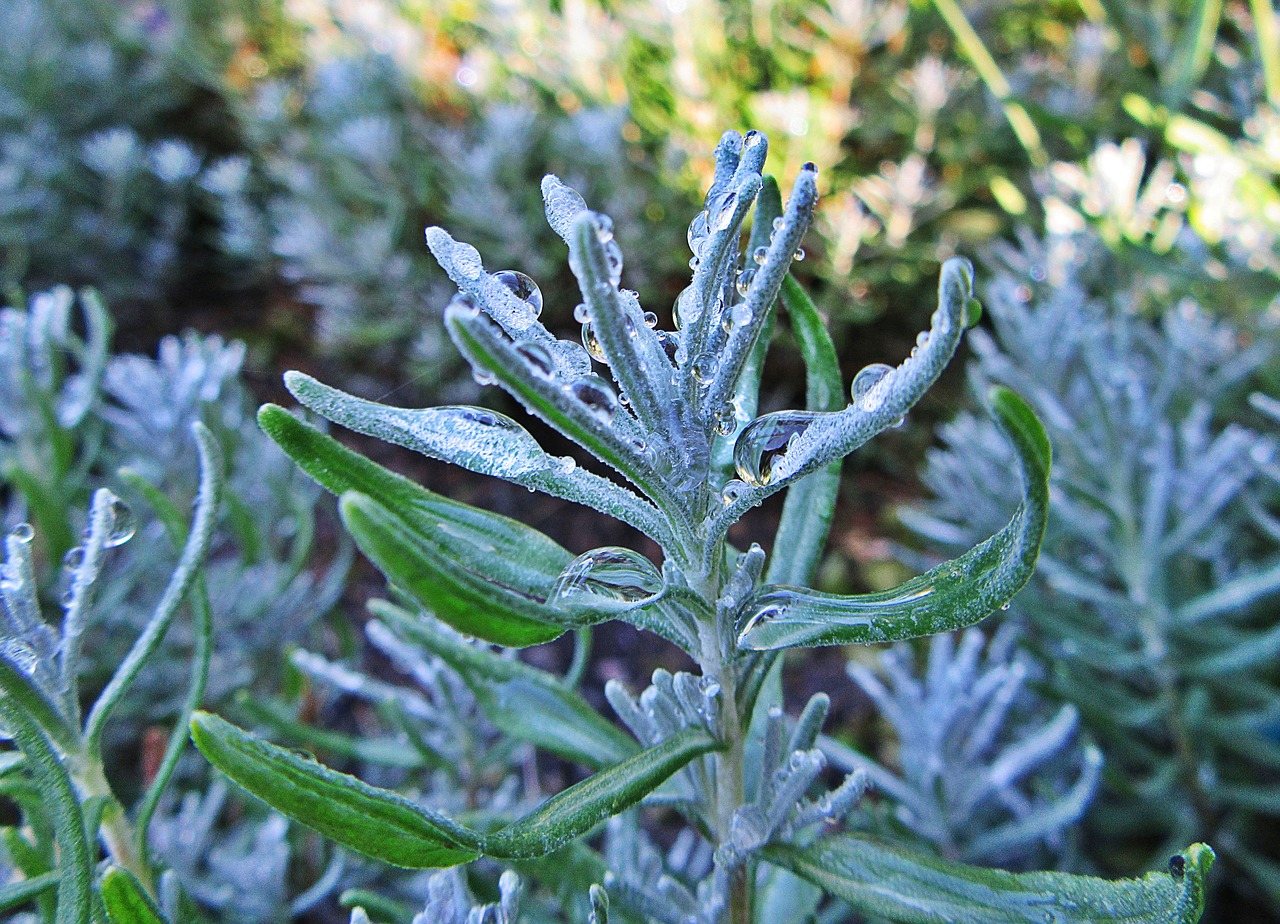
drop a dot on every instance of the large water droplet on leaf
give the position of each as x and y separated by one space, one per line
592 343
523 288
720 211
765 441
609 574
23 533
121 524
868 378
537 356
597 396
704 368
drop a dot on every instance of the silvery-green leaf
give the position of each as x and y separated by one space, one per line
953 595
894 884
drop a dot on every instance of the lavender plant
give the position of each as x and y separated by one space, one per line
1152 609
681 424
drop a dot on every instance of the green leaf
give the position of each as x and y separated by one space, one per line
889 882
811 501
17 894
126 901
469 558
521 701
953 595
375 822
76 856
581 807
385 826
471 570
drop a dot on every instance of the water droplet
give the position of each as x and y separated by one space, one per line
759 255
710 687
798 256
592 343
120 526
597 396
698 230
868 378
650 320
537 356
523 287
744 281
23 533
604 229
466 304
704 368
68 597
74 558
607 574
732 491
720 211
724 420
740 314
613 262
765 441
778 223
972 313
687 309
581 314
753 138
567 465
484 377
1004 606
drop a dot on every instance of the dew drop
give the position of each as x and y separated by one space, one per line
798 256
866 379
704 368
592 343
650 320
778 223
121 524
597 396
724 420
759 255
698 229
765 441
607 574
567 465
74 558
20 654
613 262
743 282
740 314
581 314
720 211
23 533
687 310
753 138
523 287
68 597
484 377
732 491
537 356
604 229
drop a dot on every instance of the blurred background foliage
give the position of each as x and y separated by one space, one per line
263 170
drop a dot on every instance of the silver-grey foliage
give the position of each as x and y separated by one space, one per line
1152 608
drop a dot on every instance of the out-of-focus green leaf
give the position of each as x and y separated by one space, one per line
17 894
891 883
953 595
126 901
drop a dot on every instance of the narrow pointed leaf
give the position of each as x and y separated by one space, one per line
375 822
470 570
614 438
386 826
509 452
16 894
458 548
894 884
578 809
811 501
126 901
953 595
520 700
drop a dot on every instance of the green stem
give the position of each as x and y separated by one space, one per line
987 68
